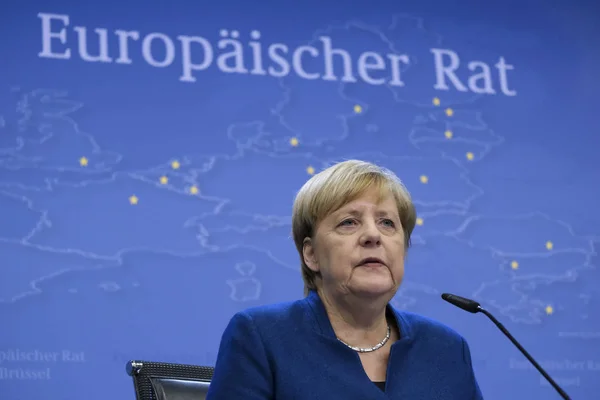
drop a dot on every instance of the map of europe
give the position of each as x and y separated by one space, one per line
126 235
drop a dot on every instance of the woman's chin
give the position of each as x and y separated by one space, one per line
373 287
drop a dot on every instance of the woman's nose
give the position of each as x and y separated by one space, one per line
370 235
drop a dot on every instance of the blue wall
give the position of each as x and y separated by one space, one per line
210 117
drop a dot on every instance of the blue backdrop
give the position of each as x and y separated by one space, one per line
150 153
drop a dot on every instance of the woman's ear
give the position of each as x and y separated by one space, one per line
308 254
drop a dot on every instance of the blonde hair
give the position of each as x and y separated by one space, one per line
335 187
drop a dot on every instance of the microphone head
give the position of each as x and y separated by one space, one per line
466 304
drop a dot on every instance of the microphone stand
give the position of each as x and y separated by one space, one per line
525 353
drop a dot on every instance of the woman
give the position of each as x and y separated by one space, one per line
351 225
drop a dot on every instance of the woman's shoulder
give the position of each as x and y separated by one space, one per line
273 314
427 328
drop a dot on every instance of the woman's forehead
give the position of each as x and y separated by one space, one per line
380 206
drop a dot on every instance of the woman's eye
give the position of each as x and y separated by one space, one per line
389 222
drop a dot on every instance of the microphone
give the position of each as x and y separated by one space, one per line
474 307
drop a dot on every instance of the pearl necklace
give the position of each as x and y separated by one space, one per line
370 349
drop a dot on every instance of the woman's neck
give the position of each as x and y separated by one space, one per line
356 322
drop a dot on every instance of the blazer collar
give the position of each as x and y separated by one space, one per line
323 325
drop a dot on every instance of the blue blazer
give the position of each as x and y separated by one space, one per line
289 351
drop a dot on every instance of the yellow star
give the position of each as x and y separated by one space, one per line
194 189
164 180
448 134
420 221
357 109
514 265
449 112
436 101
294 142
310 170
549 310
175 164
424 179
470 156
133 200
83 162
549 245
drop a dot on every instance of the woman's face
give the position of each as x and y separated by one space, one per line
359 248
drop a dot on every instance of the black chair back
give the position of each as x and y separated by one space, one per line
167 381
